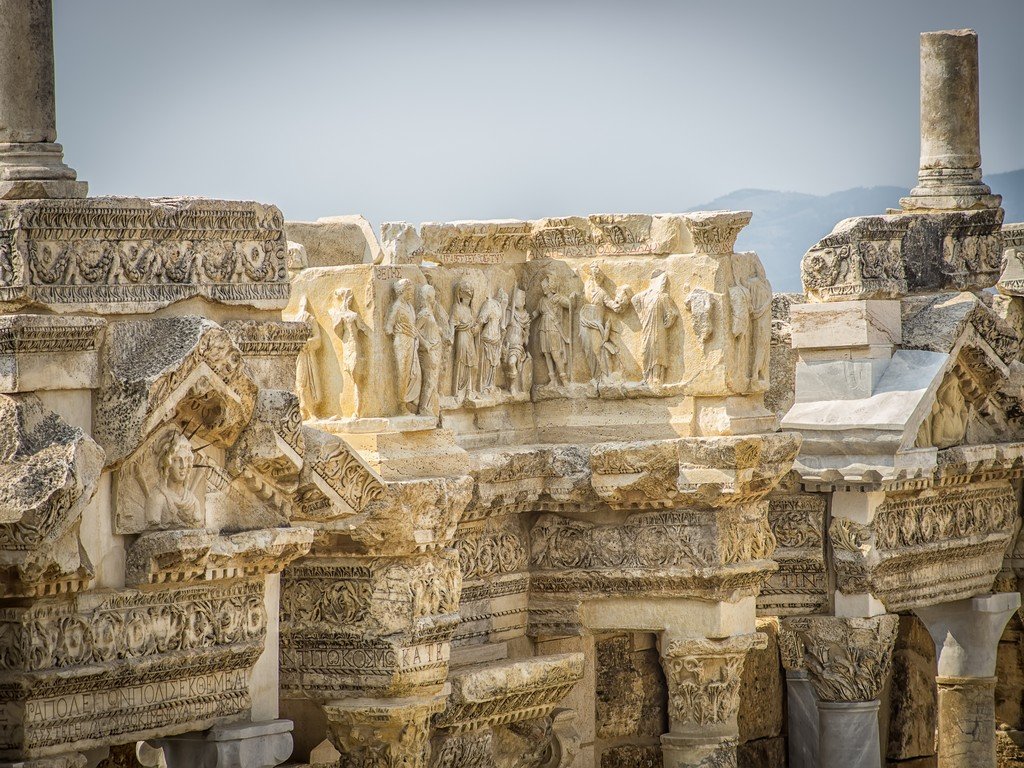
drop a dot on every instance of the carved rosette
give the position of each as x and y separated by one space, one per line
371 733
847 659
704 679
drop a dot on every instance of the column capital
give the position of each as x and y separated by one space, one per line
378 732
966 633
847 659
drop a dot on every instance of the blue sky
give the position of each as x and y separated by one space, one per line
453 110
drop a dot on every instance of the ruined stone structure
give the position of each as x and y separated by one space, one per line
576 492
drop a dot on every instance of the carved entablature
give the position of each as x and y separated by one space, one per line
74 667
691 471
335 482
43 352
848 659
130 255
49 472
271 349
800 585
531 478
905 554
509 691
872 257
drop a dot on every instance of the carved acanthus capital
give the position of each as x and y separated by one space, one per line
848 659
704 678
714 232
382 733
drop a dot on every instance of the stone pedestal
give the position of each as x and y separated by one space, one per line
241 745
966 635
950 174
849 734
31 164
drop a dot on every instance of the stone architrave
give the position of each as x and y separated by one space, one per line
966 635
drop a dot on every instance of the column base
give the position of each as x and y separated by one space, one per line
239 745
950 189
849 735
687 752
37 171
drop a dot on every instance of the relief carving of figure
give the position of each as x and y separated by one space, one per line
172 502
598 328
702 308
947 423
555 339
348 326
657 315
761 319
432 329
739 322
518 362
401 327
307 378
491 321
464 329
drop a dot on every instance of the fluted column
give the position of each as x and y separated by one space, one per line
950 174
703 698
848 661
31 163
966 635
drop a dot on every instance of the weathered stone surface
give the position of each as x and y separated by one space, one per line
630 689
335 240
762 753
762 690
913 706
632 756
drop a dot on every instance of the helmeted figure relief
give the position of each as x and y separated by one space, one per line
491 321
598 325
172 501
464 329
739 322
349 326
401 327
657 315
516 356
307 378
432 330
555 339
761 320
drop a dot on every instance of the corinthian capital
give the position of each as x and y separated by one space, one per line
847 659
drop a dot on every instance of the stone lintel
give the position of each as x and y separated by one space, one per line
967 632
841 324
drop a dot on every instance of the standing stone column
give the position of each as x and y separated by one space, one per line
703 698
950 173
966 635
31 163
848 661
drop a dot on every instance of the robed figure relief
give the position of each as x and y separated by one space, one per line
491 322
599 326
657 314
552 330
349 327
432 330
307 378
401 327
761 319
516 355
464 331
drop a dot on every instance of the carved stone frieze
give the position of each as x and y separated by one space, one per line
373 733
799 586
848 659
130 255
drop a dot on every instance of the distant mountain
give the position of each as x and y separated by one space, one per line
786 224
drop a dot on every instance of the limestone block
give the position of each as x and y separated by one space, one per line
782 367
715 232
842 324
1011 280
400 242
475 242
630 689
762 753
799 587
762 691
131 255
913 708
46 352
632 756
271 350
879 257
332 241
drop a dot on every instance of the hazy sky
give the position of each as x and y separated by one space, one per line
434 110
